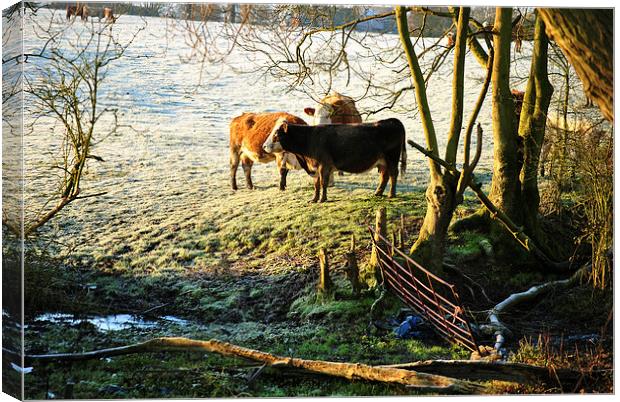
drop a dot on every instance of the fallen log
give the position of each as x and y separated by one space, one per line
531 293
480 370
352 371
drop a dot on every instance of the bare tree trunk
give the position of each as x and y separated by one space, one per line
532 129
505 190
514 187
458 85
472 41
586 39
429 247
420 88
491 210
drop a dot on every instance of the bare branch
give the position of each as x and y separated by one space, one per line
468 168
63 87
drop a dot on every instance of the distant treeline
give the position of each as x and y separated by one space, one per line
310 15
307 15
143 8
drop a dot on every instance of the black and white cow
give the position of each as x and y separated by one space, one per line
353 148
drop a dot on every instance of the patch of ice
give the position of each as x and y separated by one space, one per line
112 322
23 370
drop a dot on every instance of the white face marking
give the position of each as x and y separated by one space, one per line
322 115
271 146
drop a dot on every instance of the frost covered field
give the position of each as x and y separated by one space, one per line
171 151
170 249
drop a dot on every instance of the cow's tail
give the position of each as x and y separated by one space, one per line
403 154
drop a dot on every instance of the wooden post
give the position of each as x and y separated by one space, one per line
401 233
394 243
380 229
353 271
325 283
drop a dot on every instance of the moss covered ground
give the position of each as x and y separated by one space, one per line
242 267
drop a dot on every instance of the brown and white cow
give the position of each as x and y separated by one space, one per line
450 40
517 97
353 148
334 109
78 10
248 133
108 14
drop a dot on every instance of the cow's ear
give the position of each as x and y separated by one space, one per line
309 111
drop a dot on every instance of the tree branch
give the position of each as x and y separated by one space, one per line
458 82
481 370
530 294
350 371
524 240
420 90
468 168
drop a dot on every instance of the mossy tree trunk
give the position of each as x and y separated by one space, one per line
586 38
505 188
472 41
532 129
430 245
514 186
441 193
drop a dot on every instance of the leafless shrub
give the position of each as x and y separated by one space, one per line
595 171
62 79
314 50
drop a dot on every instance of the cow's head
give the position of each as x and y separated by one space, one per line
321 115
272 143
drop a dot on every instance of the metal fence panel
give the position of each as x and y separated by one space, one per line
425 292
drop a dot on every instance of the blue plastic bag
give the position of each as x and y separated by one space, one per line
407 329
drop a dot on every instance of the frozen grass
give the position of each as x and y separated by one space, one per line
240 265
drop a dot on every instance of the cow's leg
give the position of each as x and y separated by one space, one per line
247 163
234 164
317 187
325 173
281 162
383 179
393 179
331 181
283 173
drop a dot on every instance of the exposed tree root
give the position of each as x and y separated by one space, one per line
351 371
479 220
531 293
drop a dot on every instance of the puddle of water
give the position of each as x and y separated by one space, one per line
175 320
112 322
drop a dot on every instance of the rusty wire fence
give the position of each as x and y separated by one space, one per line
424 292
